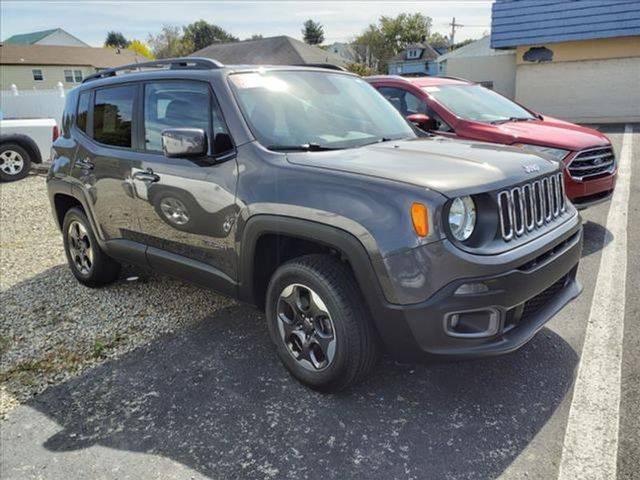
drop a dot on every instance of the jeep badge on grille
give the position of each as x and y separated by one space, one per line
531 168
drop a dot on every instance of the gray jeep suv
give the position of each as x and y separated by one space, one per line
304 192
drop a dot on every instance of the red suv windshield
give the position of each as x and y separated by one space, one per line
474 102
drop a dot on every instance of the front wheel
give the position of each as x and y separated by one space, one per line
319 323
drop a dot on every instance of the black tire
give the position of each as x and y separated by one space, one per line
102 269
356 349
9 151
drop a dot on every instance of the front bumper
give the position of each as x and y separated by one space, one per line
522 297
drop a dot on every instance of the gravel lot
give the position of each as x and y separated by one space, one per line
51 327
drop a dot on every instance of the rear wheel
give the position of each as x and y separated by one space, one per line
15 162
319 323
88 262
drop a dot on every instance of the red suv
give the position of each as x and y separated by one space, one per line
461 109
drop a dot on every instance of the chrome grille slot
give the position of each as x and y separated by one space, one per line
592 162
546 199
530 206
518 210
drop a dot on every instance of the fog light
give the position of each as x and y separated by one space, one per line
472 324
471 289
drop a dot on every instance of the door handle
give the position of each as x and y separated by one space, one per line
84 164
147 176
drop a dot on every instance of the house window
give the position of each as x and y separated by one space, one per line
413 53
73 76
37 74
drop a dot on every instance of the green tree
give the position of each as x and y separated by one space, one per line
202 34
313 32
360 69
139 47
170 43
379 42
255 36
116 40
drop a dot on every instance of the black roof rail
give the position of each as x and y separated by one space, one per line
189 63
329 66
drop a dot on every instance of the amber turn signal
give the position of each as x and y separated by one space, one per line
420 219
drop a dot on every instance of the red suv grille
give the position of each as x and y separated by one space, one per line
592 162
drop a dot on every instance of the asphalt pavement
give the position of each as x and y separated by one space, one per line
213 401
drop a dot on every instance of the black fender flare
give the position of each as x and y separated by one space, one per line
344 242
25 142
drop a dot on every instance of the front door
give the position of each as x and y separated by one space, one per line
186 206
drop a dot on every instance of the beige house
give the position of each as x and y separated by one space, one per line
579 61
42 67
478 62
586 81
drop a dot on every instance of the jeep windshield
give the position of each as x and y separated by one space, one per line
479 104
304 110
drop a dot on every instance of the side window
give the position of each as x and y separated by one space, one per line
181 104
112 115
439 124
68 76
38 76
83 111
395 97
404 101
414 104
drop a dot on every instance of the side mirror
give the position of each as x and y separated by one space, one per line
184 142
420 120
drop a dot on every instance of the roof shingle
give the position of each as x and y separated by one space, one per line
22 54
281 50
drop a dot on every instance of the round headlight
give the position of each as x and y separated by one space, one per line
462 218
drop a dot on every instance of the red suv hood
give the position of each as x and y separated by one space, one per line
549 132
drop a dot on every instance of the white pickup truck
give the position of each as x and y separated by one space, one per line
23 142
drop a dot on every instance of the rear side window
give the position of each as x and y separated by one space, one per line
83 111
112 115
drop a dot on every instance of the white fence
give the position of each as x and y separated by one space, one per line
33 103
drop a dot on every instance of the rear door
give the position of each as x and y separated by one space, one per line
101 171
186 206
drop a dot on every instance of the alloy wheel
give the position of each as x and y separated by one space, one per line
11 162
306 327
80 248
174 210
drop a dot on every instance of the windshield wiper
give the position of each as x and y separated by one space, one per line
511 119
307 147
378 140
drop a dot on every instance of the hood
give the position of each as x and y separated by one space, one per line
449 167
549 132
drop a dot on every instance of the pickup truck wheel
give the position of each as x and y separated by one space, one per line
319 323
88 262
15 162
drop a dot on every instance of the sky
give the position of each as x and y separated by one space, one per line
91 20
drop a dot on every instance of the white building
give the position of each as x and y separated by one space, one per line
482 64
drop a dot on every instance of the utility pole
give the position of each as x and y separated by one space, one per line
454 25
